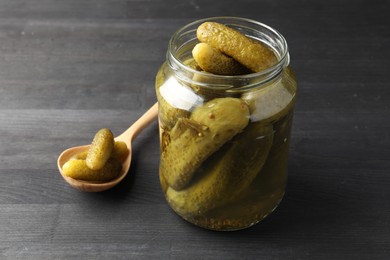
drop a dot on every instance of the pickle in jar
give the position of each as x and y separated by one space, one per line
193 140
212 60
251 53
226 174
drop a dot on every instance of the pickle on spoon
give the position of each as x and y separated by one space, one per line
78 169
119 152
100 150
193 140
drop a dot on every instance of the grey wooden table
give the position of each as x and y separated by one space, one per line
69 68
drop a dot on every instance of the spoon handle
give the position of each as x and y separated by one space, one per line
140 124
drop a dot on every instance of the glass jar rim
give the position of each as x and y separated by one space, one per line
270 72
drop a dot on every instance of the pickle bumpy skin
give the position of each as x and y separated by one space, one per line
214 61
227 174
193 140
119 152
100 149
252 54
78 169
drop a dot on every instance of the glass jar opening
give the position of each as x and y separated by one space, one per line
183 41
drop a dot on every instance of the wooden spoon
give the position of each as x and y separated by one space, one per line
126 137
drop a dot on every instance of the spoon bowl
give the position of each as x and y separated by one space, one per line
126 137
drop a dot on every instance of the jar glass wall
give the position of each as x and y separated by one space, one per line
224 139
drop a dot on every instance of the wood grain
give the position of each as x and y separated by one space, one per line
69 68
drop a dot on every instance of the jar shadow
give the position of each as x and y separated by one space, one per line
309 210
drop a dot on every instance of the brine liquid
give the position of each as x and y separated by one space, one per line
259 199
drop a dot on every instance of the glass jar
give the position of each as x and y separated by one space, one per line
224 139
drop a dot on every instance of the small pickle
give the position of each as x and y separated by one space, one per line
100 149
193 140
119 152
252 54
80 156
211 92
212 60
78 169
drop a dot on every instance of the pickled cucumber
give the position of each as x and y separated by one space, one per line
80 156
214 61
209 87
119 152
191 63
104 152
252 54
193 140
78 169
226 174
100 149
